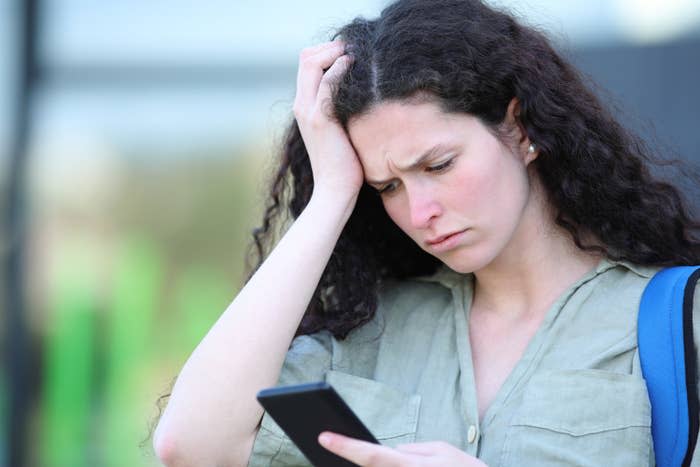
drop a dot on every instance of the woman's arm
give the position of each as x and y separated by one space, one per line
212 416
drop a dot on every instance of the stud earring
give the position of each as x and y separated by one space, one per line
531 149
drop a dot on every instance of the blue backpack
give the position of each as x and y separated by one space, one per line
669 363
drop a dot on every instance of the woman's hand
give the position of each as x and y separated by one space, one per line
417 454
336 168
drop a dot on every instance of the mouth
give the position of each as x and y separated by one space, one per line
436 241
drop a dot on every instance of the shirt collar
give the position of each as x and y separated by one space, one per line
445 276
451 279
642 271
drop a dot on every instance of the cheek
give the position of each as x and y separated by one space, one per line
397 209
491 191
506 195
469 187
396 212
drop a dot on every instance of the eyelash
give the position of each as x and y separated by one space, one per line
440 167
432 169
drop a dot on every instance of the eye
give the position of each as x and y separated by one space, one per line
440 167
387 189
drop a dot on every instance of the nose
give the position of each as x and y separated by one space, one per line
423 206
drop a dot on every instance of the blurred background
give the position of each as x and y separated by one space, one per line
135 139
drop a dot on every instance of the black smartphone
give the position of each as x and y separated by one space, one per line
304 411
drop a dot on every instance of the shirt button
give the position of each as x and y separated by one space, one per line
471 434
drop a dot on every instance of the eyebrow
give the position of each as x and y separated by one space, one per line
416 164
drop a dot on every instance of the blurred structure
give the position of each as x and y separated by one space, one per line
139 135
17 351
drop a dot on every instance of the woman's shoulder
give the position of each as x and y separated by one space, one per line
619 282
626 275
618 268
625 279
395 296
405 299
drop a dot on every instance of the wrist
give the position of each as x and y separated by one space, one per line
334 202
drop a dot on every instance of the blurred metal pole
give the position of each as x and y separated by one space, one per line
18 371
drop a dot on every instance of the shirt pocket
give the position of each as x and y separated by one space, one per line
581 418
391 415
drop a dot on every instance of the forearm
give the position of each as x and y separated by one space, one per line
212 405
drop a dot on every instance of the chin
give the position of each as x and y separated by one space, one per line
466 261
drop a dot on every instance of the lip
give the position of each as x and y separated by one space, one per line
445 242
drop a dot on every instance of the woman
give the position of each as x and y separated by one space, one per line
472 234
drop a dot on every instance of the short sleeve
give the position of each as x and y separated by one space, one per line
307 360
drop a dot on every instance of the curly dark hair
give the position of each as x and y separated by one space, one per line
473 59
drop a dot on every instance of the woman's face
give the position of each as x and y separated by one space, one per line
462 202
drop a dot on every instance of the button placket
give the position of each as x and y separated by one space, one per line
461 294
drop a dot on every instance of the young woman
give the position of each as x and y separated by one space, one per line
472 232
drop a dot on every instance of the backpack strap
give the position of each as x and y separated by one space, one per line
669 363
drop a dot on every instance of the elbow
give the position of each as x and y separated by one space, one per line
169 447
174 451
165 448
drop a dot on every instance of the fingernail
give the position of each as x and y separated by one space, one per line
324 439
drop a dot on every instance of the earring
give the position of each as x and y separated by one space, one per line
531 149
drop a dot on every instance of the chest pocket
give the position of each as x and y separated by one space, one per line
391 416
581 418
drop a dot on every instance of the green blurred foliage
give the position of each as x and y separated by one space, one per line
126 308
69 365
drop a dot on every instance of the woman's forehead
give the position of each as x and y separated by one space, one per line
406 130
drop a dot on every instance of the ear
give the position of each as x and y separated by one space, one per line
522 141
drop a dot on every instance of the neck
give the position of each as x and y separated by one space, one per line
536 267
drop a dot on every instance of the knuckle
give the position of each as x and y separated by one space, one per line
309 61
306 52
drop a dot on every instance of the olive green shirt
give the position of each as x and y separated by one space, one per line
576 397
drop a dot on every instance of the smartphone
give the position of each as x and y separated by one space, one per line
304 411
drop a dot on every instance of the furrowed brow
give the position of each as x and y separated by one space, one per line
413 165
